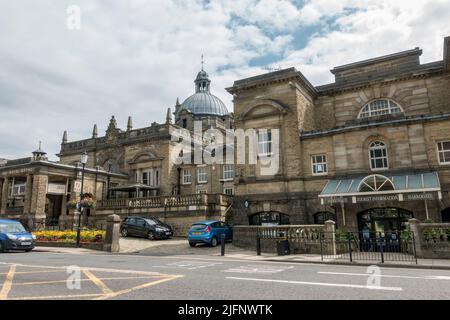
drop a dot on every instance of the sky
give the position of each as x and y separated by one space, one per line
136 57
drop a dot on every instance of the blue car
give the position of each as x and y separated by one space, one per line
13 236
209 232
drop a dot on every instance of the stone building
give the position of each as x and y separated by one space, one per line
370 150
125 169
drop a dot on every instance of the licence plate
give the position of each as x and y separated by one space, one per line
196 233
168 233
25 243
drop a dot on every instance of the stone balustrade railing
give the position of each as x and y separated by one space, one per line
432 240
164 201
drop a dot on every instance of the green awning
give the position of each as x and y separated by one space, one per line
377 184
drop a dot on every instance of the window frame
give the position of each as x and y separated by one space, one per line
184 176
319 163
228 188
224 172
265 147
369 105
385 147
443 151
202 174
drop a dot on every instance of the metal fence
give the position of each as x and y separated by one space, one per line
368 246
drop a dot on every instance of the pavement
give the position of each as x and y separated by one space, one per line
72 273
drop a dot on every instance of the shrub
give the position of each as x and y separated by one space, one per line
70 236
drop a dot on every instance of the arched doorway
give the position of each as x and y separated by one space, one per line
445 215
271 218
384 220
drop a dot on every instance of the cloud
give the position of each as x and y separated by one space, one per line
136 57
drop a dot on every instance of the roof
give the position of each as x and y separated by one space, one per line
133 187
206 222
204 103
363 63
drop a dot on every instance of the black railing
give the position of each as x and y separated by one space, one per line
368 246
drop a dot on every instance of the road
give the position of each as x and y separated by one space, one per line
43 275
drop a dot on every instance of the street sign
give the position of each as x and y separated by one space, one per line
77 186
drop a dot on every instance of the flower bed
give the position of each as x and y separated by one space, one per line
70 236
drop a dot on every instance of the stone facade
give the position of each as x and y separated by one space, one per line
328 121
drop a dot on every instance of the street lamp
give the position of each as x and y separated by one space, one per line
84 159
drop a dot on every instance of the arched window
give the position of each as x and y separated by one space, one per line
378 156
375 183
111 166
321 217
378 108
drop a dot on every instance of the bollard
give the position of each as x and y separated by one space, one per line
222 245
349 235
258 244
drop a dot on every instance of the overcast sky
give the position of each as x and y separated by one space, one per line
135 57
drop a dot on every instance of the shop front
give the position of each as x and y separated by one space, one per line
382 204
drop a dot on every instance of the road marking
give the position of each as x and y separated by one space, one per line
387 275
142 286
29 272
258 269
87 295
325 284
152 273
7 285
64 281
190 265
99 283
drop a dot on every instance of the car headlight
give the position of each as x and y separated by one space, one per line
33 236
160 229
11 236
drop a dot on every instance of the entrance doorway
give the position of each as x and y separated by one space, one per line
53 209
446 215
383 220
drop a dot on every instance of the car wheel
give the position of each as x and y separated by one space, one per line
2 249
151 236
213 242
192 244
28 250
124 233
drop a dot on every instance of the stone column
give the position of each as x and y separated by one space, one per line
330 237
111 243
4 198
28 191
414 225
38 197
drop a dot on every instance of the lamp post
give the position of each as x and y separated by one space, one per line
84 159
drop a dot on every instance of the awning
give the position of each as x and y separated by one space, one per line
376 187
134 187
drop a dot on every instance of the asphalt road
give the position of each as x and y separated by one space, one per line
43 275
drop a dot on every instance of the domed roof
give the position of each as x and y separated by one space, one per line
202 102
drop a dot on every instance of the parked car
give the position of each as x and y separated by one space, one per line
13 236
145 227
209 232
163 224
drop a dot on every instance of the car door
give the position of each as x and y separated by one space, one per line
141 227
221 230
131 226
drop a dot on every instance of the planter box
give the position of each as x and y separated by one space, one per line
85 245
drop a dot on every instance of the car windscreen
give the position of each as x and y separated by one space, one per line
151 222
198 226
11 228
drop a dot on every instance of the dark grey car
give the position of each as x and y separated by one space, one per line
145 227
